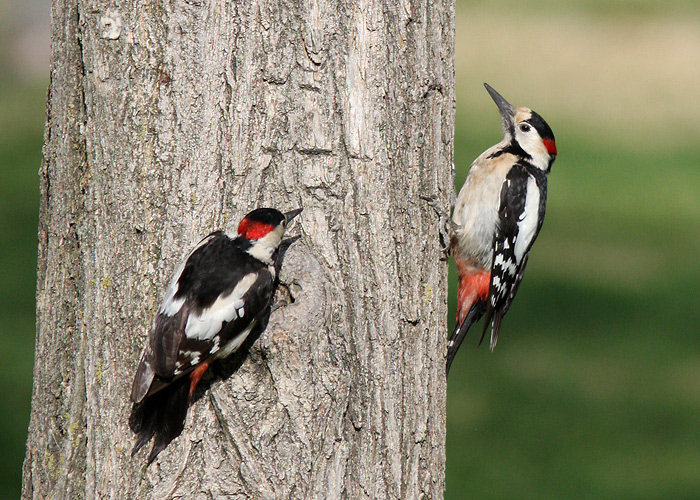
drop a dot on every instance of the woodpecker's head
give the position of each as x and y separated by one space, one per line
526 131
263 229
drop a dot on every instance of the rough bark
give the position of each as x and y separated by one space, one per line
166 120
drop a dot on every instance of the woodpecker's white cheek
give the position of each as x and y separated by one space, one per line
263 248
532 144
525 141
207 323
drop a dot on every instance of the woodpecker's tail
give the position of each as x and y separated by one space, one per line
493 318
161 415
476 311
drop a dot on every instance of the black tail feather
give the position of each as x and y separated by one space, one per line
487 322
161 416
476 311
496 316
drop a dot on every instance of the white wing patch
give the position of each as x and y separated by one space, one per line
527 225
207 323
171 306
235 342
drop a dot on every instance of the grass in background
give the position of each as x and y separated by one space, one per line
594 388
21 121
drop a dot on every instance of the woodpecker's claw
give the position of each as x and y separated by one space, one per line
264 344
445 225
278 304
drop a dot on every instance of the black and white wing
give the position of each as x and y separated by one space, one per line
209 308
521 213
167 329
230 291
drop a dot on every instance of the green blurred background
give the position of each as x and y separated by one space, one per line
24 74
594 389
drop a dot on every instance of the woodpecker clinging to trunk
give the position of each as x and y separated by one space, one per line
220 291
497 216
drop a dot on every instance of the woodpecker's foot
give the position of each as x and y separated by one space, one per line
445 226
278 304
264 344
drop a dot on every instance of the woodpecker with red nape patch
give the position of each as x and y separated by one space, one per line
220 291
497 216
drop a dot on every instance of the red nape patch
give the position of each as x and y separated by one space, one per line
551 146
254 230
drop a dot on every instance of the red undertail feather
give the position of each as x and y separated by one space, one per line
196 375
473 287
472 296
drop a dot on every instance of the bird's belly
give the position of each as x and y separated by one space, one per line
476 217
475 235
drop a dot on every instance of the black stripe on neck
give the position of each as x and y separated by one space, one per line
512 148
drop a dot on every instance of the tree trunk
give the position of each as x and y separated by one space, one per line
167 120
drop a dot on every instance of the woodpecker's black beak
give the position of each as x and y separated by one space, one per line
291 214
507 111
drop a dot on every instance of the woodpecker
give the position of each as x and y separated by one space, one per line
497 216
219 292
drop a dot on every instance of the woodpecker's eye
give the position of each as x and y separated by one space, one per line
524 127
